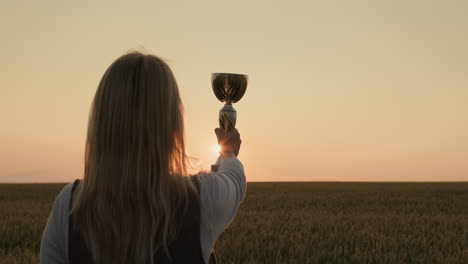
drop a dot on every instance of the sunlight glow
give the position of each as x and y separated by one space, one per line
216 148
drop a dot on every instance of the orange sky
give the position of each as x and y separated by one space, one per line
338 90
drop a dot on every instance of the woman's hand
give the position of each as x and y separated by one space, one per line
229 141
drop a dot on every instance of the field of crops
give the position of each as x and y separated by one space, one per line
296 223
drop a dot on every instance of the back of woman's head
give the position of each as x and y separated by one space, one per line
135 162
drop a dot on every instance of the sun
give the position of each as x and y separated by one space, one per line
216 148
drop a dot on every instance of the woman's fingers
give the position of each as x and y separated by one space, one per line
217 132
229 140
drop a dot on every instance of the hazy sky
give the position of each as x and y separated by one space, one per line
338 90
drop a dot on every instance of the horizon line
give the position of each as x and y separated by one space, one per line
279 182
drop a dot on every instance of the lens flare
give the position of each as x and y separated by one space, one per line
216 148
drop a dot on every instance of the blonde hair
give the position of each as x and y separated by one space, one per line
135 165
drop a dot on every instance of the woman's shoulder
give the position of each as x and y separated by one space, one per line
64 196
61 205
54 238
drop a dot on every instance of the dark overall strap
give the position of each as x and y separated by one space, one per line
77 250
185 249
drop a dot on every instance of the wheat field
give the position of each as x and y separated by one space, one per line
307 222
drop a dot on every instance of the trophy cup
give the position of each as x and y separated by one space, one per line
228 88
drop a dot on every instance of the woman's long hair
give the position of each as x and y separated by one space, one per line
135 165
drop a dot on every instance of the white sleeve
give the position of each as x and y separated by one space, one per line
54 242
222 193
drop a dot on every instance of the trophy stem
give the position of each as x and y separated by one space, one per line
227 117
227 122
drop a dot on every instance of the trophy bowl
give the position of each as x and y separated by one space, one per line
229 87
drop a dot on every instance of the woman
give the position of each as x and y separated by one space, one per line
136 203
